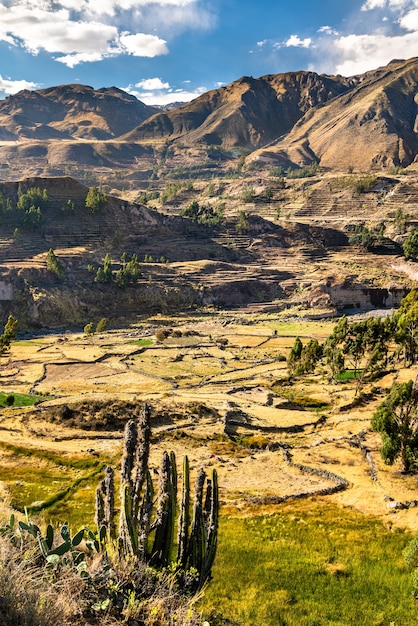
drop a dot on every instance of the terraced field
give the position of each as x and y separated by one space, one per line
219 392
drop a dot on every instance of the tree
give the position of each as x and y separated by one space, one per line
104 274
332 348
406 321
294 355
53 264
410 246
95 199
89 329
396 418
102 325
8 334
243 222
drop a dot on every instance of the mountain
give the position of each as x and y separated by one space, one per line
291 119
375 124
247 113
70 111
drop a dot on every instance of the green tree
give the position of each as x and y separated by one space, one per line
32 217
396 419
53 264
8 334
95 199
102 325
332 349
32 197
294 355
399 220
406 326
89 329
410 246
243 223
104 274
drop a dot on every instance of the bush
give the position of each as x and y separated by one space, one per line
102 325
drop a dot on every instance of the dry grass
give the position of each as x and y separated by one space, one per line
240 379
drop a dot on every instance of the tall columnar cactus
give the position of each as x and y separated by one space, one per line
148 535
165 513
105 503
184 519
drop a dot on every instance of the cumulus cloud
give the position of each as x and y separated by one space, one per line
79 31
392 32
409 21
140 45
9 87
153 91
150 84
297 42
359 53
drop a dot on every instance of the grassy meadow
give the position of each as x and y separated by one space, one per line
310 564
312 561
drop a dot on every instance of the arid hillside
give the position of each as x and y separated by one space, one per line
247 113
70 111
316 244
374 125
366 121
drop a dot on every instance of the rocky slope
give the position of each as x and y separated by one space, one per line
247 113
70 111
291 119
374 125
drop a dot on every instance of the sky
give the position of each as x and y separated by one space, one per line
166 51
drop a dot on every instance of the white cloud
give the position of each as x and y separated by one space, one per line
164 96
327 30
151 84
9 87
409 21
365 44
373 4
369 5
141 45
297 42
78 31
359 53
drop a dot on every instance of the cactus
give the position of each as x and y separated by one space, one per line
46 542
154 542
166 512
184 519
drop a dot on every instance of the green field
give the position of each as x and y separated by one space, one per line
310 564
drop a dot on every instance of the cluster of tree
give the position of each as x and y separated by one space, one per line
366 237
363 350
207 215
148 258
128 273
31 203
95 199
100 328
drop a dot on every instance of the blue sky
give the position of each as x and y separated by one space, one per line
173 50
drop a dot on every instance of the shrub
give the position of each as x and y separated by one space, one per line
102 325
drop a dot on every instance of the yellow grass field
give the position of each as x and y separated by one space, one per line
218 391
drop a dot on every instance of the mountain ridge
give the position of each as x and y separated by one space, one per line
290 119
